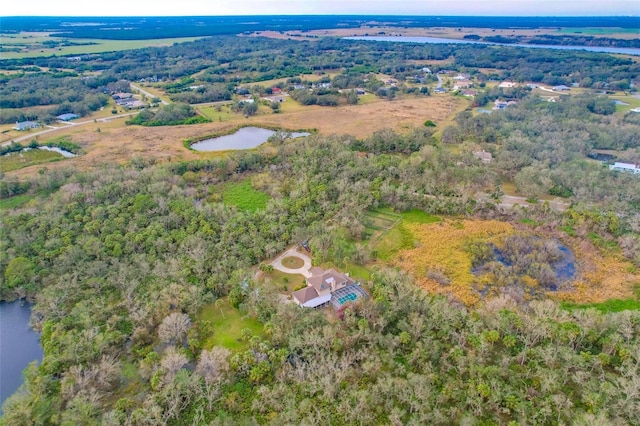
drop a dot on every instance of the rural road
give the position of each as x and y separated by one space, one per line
69 124
149 95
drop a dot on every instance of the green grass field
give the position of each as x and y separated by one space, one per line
15 201
611 305
284 283
244 196
599 31
19 160
399 238
228 323
225 113
31 45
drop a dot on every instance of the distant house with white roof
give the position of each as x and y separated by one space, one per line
626 168
26 125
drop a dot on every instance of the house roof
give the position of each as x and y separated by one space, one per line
68 116
305 294
308 297
26 125
323 281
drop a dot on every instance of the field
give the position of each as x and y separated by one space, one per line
112 141
15 201
453 33
244 196
282 282
31 45
32 157
440 249
228 325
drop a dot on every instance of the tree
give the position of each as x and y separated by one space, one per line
174 328
172 362
249 108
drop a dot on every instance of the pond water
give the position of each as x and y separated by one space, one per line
19 345
244 138
64 153
436 40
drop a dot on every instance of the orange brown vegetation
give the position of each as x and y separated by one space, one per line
442 247
602 277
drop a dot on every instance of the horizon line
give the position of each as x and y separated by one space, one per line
326 14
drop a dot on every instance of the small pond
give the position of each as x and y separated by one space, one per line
244 138
64 153
19 345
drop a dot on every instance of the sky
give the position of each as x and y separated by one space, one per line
320 7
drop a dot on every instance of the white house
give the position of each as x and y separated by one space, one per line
625 167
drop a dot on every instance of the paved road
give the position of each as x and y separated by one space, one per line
293 252
148 94
68 124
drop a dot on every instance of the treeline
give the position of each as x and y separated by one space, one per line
67 94
168 115
236 60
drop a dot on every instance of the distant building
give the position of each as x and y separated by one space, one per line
469 93
483 155
503 104
274 99
635 109
560 88
626 168
67 117
507 84
122 96
26 125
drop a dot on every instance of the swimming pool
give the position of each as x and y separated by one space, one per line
350 293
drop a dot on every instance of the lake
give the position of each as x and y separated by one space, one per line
19 345
436 40
244 138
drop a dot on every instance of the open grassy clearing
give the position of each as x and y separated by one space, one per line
31 45
217 113
453 33
282 282
608 32
32 157
115 142
425 248
244 196
398 237
15 201
228 325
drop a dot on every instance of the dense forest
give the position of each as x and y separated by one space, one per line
122 340
123 261
224 63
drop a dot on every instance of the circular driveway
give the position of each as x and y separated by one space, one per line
293 252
